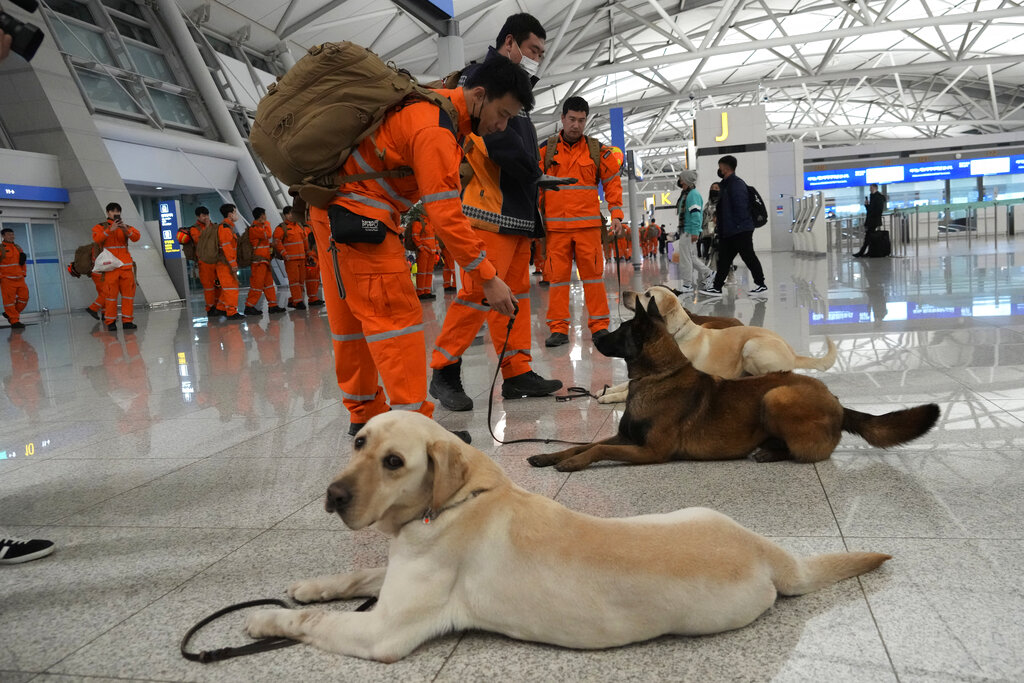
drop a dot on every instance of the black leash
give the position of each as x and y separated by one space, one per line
494 381
262 645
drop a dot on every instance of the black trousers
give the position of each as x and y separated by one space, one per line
728 248
868 229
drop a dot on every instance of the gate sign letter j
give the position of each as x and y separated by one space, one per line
725 127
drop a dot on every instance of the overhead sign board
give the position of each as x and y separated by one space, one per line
906 173
33 193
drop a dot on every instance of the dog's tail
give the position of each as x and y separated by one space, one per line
822 362
891 429
799 575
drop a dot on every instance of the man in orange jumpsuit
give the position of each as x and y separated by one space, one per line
96 307
573 218
12 279
207 271
312 268
114 235
500 201
448 267
227 264
261 279
290 242
624 242
426 256
376 324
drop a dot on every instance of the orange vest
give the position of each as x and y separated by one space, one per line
579 206
260 235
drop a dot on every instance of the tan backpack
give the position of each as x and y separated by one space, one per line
316 114
245 253
593 145
208 249
85 257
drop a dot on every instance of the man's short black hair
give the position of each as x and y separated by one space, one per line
729 160
258 213
286 210
520 26
499 76
875 185
226 209
7 230
113 206
202 211
575 103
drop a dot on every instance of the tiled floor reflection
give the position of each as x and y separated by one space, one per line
181 468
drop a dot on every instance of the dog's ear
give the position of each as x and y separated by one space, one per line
449 472
652 309
629 300
639 312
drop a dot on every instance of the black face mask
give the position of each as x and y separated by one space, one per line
679 184
474 121
713 194
720 174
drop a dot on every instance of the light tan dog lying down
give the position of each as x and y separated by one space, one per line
729 352
498 558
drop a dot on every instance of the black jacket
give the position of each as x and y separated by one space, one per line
515 152
875 206
733 211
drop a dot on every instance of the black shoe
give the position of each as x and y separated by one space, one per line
529 384
112 327
18 326
429 296
462 434
759 289
16 550
594 336
451 289
354 427
446 387
214 312
276 309
298 307
544 283
858 255
318 302
129 326
252 310
236 316
94 314
556 339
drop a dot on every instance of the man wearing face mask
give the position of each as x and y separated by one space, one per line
735 229
114 235
375 318
500 201
691 222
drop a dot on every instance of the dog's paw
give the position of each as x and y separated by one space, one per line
574 464
309 590
266 622
540 461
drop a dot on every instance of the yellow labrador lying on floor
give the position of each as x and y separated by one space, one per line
471 550
730 352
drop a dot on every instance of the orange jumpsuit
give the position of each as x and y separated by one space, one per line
426 250
625 243
377 328
207 271
312 267
573 219
12 281
120 280
24 386
290 241
97 280
261 280
448 266
227 266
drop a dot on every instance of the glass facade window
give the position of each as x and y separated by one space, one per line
130 29
151 63
173 108
79 41
107 93
129 7
72 9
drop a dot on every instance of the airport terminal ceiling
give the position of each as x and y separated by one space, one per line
828 72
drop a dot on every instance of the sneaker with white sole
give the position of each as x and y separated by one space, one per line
759 289
18 550
711 290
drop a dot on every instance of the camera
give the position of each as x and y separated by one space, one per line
25 38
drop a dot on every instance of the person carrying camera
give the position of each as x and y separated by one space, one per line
114 235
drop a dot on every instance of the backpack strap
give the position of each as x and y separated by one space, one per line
595 154
550 147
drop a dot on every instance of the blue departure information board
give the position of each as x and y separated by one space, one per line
907 173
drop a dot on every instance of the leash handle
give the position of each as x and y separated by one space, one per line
262 645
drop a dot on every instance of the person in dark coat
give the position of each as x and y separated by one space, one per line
735 229
875 206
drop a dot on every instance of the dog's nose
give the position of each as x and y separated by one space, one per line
338 496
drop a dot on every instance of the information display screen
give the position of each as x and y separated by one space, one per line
932 170
33 193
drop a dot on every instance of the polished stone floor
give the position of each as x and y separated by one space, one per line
181 468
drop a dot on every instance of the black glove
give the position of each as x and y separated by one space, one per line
550 182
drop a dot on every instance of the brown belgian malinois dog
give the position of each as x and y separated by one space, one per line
676 412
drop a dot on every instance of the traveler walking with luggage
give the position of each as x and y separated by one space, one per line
874 205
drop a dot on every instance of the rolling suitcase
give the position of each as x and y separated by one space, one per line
879 244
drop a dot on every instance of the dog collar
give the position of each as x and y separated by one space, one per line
430 515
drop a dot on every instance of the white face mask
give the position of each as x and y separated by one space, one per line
529 66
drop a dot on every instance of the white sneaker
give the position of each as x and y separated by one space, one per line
685 289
